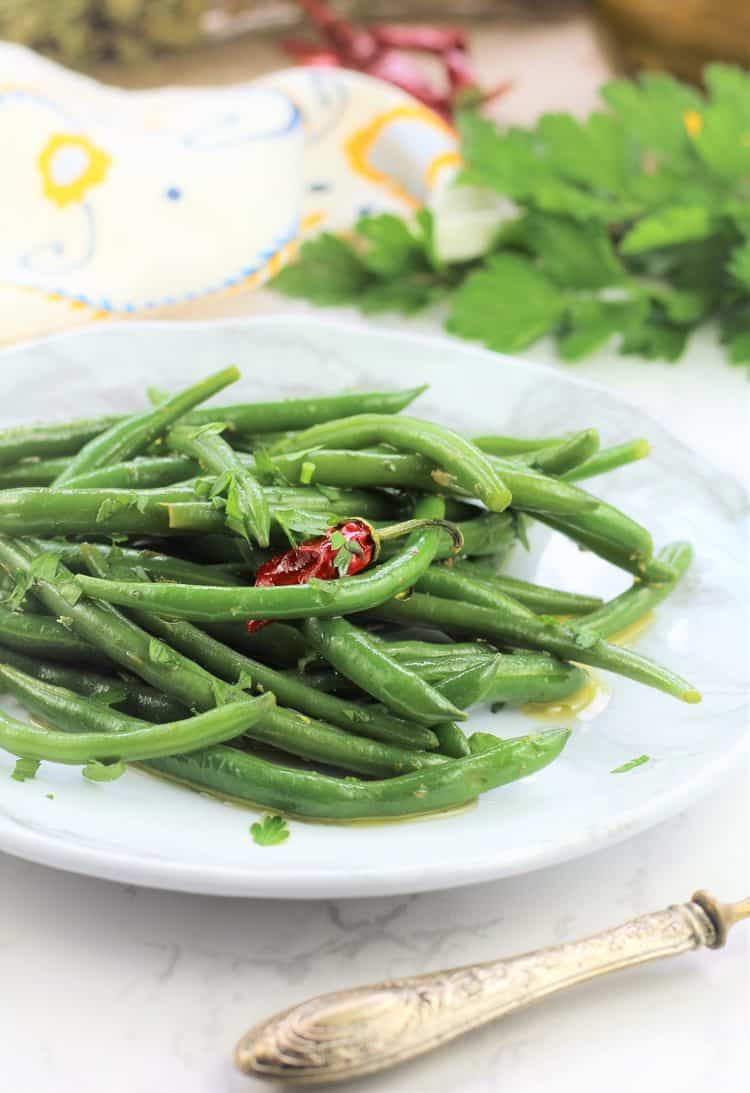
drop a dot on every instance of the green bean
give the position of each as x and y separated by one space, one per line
612 536
130 646
56 512
541 599
235 774
282 644
351 652
129 437
142 473
640 598
31 472
162 566
569 453
67 438
107 689
48 441
452 739
125 692
458 585
609 459
534 633
471 469
39 636
515 678
515 445
234 667
247 511
317 599
530 489
95 732
300 413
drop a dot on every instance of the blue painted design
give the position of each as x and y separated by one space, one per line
35 259
130 307
173 193
210 134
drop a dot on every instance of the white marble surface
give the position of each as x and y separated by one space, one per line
111 989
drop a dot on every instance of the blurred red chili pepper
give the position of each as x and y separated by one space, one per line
320 558
383 51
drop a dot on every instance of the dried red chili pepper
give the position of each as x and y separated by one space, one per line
318 558
344 550
384 51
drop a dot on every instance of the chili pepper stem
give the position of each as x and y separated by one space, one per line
405 527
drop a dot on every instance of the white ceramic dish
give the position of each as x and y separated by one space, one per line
144 831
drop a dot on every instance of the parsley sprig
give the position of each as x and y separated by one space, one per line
633 224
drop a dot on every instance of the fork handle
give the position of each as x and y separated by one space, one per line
349 1033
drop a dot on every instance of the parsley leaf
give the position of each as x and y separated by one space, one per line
327 272
633 224
507 305
270 831
631 765
25 769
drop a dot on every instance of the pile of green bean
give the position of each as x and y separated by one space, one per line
128 553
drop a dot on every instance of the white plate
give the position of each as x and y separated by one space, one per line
144 831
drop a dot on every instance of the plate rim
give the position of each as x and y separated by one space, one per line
318 883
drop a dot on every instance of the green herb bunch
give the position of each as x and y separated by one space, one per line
632 224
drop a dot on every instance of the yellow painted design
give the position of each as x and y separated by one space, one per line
693 122
357 147
585 703
95 164
439 163
312 220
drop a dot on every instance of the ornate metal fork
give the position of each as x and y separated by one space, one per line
353 1032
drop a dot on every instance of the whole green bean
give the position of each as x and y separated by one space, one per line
609 459
247 511
48 441
131 741
300 413
530 489
181 678
640 598
318 599
471 469
534 633
281 644
540 598
55 512
39 636
239 775
351 652
129 437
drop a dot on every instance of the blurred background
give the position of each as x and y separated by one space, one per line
149 42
